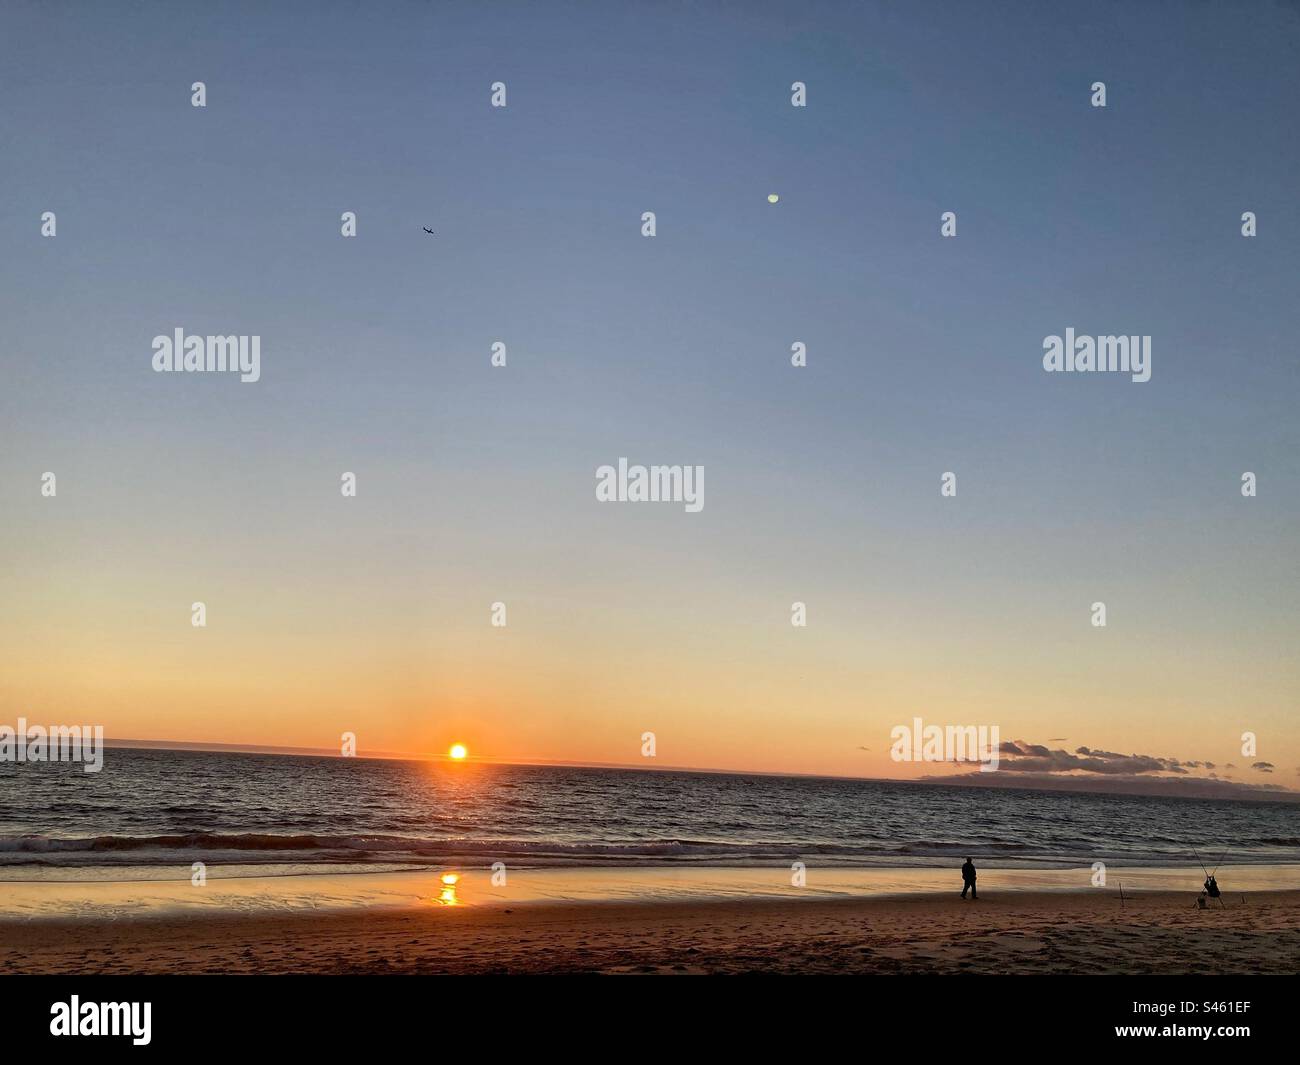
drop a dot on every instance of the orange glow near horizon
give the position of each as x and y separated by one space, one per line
797 707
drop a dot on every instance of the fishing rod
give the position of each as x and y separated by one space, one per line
1208 875
1216 864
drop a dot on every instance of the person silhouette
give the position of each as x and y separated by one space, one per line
968 879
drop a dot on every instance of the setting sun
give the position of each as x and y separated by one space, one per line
457 751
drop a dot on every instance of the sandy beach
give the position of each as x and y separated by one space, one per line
1028 932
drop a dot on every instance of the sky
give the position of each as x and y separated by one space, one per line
476 484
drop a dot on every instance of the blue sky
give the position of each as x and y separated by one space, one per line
822 484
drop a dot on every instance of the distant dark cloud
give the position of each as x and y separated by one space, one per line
1017 756
1035 765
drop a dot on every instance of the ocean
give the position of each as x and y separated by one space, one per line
150 809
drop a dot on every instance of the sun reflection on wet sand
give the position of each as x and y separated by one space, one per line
447 896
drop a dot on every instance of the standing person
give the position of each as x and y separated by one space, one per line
968 879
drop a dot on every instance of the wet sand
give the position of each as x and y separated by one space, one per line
1159 932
